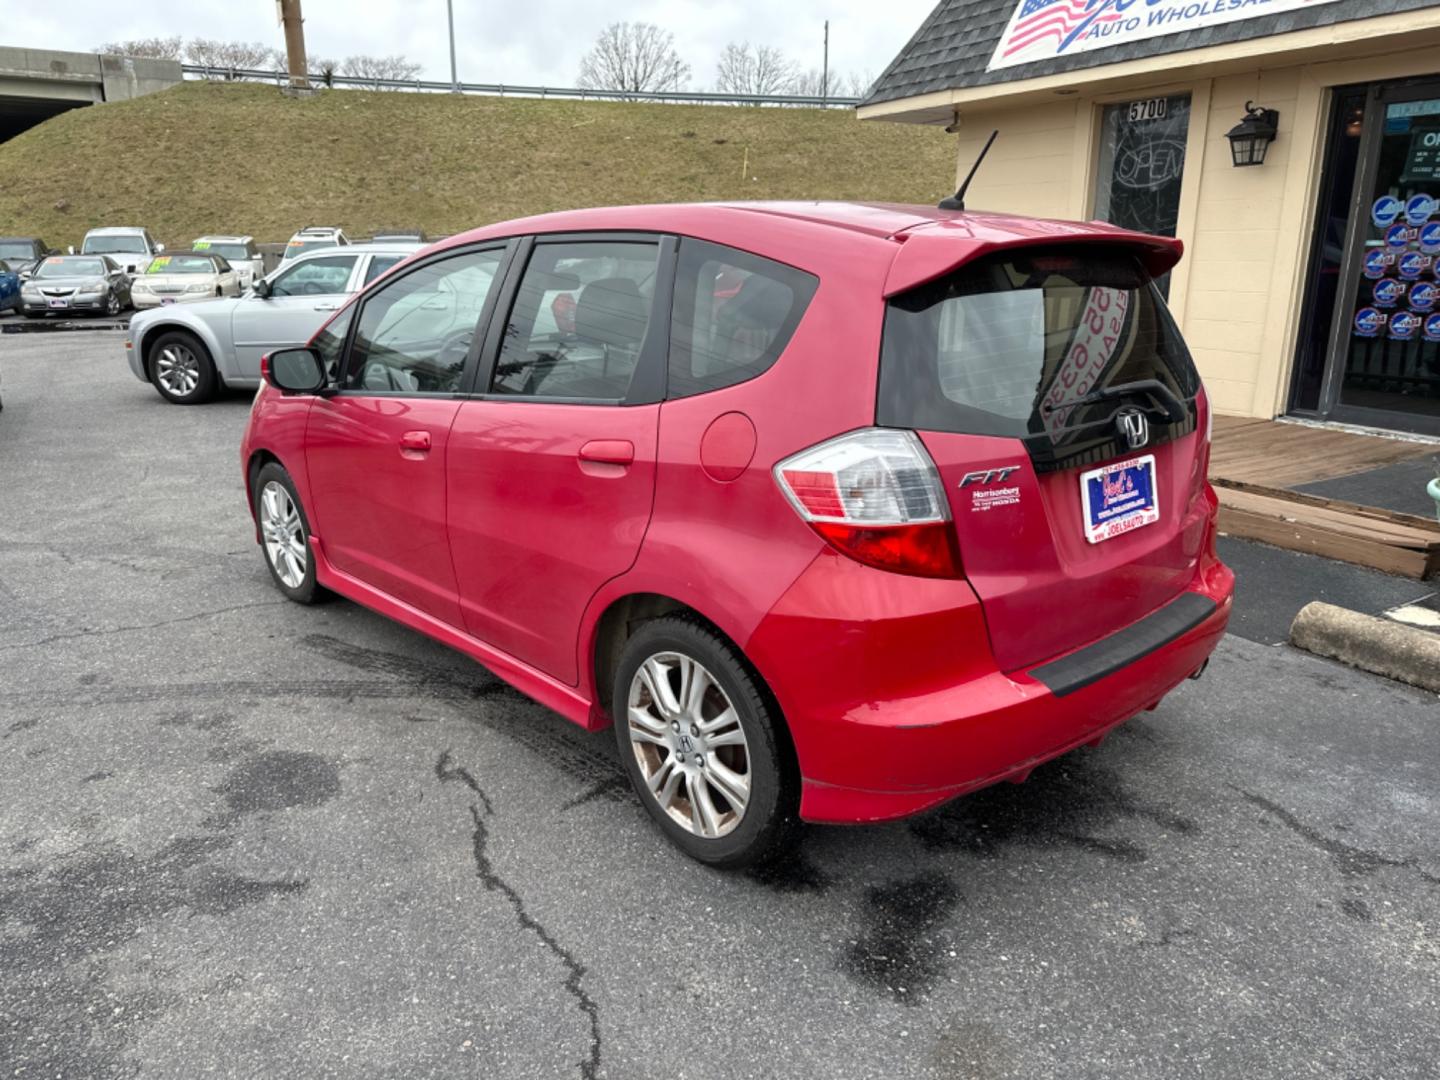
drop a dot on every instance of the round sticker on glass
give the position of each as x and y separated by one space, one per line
1430 238
1397 237
1404 325
1386 211
1419 208
1412 264
1368 322
1432 327
1376 260
1423 295
1388 292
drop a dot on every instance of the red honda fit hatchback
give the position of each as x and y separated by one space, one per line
836 511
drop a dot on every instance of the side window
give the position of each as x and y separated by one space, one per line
379 264
315 277
578 322
734 314
414 335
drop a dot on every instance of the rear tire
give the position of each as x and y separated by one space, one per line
285 536
181 369
704 748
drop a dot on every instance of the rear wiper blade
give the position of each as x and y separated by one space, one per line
1173 407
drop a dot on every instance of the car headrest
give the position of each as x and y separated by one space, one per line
761 302
612 312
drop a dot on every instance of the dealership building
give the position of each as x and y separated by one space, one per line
1293 145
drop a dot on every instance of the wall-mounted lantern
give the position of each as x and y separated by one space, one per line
1250 138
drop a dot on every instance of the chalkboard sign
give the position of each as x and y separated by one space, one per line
1422 164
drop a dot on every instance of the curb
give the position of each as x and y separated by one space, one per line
1376 645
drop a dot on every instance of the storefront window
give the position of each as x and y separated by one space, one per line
1391 350
1142 164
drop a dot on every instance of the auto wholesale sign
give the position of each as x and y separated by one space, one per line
1044 29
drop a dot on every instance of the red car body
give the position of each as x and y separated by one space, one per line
520 533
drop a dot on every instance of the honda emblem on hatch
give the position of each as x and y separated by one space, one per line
1133 426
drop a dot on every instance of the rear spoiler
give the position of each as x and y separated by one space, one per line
928 253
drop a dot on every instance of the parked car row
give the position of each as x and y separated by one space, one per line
123 266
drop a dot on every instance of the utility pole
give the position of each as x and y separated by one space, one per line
454 73
294 24
825 71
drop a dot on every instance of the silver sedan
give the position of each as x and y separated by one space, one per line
189 352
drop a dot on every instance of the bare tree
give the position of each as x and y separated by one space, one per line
754 69
226 56
146 48
633 56
382 67
323 68
842 84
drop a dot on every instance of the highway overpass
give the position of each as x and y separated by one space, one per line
36 84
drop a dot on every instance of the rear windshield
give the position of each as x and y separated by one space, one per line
237 252
114 245
1018 345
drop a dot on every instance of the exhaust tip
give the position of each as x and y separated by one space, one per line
1201 669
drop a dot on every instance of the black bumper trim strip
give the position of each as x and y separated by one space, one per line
1124 647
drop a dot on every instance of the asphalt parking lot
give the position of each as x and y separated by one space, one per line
243 838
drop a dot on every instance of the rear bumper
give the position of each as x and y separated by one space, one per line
959 724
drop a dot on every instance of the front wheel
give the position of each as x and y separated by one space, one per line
285 535
181 369
703 746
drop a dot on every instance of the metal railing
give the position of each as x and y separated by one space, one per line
424 86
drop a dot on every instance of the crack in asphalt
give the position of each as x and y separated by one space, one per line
144 626
1351 861
494 882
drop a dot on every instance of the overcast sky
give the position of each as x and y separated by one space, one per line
519 41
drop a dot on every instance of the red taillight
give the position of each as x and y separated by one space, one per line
921 550
875 496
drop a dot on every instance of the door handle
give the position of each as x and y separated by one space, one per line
418 441
327 307
608 452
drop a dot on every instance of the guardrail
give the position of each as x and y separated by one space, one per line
691 97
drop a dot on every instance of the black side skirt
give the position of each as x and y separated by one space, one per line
1124 647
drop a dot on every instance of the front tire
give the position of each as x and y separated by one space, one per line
703 745
285 535
181 369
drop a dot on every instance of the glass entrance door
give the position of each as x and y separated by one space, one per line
1384 362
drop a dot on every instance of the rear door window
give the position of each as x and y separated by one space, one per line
1040 345
579 320
734 313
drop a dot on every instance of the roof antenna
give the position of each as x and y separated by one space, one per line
957 201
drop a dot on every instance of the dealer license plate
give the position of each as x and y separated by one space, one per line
1119 498
59 303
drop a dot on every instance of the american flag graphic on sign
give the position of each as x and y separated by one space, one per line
1045 29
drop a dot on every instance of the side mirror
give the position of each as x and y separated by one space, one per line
294 371
261 288
159 249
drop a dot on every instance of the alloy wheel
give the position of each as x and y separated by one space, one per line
284 534
178 369
689 743
113 306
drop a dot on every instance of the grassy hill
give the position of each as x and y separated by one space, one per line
207 157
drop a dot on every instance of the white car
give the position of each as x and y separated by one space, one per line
315 236
239 251
131 247
189 351
184 279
